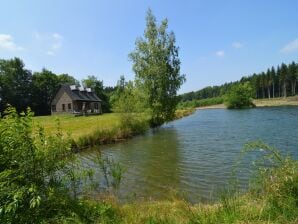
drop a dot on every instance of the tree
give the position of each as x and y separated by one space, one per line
293 77
269 81
284 78
67 79
239 96
273 76
16 83
45 85
157 68
97 86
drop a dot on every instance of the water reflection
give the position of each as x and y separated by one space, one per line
151 163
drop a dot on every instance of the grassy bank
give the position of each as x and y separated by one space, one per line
98 129
217 103
273 102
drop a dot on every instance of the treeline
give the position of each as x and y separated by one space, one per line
21 88
280 81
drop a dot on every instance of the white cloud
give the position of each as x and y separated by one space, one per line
237 45
7 43
220 53
50 53
57 36
290 47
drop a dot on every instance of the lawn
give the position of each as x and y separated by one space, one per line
87 125
78 126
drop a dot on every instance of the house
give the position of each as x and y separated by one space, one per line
75 100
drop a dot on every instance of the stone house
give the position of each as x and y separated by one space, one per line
75 100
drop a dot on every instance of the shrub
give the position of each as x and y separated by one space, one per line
35 175
239 96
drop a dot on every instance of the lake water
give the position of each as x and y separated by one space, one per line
195 156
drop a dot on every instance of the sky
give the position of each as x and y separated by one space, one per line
219 41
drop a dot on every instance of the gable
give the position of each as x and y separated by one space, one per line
60 94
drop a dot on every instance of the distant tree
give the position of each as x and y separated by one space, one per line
157 68
44 87
67 79
16 83
284 78
293 77
239 96
273 76
268 82
97 86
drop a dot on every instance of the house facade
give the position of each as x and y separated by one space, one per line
75 100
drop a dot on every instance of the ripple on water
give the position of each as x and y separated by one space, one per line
196 155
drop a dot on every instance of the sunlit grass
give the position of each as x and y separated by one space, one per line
78 126
95 129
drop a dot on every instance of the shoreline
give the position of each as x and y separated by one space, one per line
117 134
273 102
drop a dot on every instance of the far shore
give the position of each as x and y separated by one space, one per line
273 102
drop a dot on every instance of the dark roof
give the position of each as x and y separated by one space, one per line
80 94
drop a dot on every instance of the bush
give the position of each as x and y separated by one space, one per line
35 175
239 96
201 103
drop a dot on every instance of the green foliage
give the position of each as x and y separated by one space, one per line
29 165
35 174
97 86
277 183
201 103
239 96
157 68
112 171
67 79
130 105
15 84
45 85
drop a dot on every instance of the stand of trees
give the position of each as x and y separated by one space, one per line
275 82
21 88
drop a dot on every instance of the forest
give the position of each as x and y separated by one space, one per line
280 81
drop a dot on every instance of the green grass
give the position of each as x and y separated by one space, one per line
98 129
78 126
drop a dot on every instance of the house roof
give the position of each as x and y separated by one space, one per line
79 94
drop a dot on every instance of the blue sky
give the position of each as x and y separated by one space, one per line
219 40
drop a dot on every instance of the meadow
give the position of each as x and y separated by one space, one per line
107 128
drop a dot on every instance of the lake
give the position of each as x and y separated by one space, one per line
195 156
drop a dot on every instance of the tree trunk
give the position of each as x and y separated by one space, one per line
273 92
279 89
285 89
268 92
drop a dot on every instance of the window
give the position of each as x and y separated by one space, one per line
95 106
53 108
63 107
69 106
